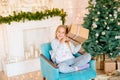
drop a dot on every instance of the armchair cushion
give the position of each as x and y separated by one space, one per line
79 75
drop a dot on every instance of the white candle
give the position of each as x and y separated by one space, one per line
16 59
36 53
32 50
27 55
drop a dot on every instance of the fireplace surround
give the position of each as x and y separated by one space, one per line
17 44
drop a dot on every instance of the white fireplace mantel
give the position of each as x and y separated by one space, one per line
13 35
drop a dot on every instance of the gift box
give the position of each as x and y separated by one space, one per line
78 33
106 58
118 65
99 62
100 65
118 58
109 66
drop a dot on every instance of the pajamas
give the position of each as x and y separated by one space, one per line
69 65
62 54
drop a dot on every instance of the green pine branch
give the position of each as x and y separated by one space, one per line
22 16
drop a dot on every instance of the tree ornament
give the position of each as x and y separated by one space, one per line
94 25
108 28
104 6
93 18
119 53
105 23
96 19
98 12
118 23
103 33
117 37
115 14
94 2
106 18
96 34
111 54
110 15
111 19
96 41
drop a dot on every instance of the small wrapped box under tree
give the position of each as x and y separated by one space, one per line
106 58
118 58
78 33
99 62
109 66
118 65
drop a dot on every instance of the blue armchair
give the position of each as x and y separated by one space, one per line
50 70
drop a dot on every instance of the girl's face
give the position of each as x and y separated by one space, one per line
61 33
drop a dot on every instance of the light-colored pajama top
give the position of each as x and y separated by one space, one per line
62 52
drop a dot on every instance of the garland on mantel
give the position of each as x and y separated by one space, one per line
17 17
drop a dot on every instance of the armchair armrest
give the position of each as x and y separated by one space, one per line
50 62
92 64
49 70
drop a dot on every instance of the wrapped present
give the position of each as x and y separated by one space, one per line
74 42
82 51
78 33
109 66
106 58
118 65
118 58
99 62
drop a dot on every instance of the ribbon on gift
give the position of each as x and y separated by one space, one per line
77 33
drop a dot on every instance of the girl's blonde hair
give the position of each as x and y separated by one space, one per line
61 26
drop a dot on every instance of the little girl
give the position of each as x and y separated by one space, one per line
63 50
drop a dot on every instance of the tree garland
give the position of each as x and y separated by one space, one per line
17 17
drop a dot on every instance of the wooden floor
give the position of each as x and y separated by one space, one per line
37 76
29 76
102 76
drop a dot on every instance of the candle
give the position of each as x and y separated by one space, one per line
27 55
36 53
31 50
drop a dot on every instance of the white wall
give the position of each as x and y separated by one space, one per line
1 47
74 8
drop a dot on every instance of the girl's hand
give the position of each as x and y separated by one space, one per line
65 39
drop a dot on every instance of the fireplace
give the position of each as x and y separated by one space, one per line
22 43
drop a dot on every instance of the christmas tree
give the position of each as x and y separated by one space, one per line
103 22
